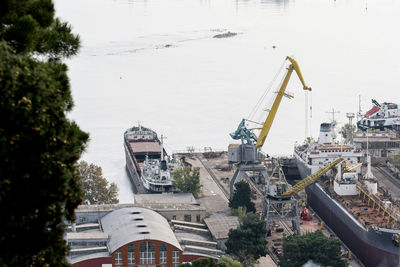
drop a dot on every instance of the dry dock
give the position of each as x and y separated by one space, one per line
215 174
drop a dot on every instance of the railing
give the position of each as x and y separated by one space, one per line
376 203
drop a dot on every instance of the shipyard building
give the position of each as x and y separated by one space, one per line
158 230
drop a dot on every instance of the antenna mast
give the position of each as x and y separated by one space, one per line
333 122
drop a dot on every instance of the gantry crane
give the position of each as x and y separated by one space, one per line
279 204
248 154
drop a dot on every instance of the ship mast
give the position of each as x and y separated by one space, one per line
369 174
162 147
333 122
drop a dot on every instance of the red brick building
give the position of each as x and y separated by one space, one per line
136 237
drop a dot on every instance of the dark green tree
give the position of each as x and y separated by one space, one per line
247 243
29 27
39 146
297 250
242 197
95 188
187 181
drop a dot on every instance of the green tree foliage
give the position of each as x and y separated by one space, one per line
39 146
395 160
297 250
228 262
95 187
187 181
247 243
29 27
347 130
241 197
209 262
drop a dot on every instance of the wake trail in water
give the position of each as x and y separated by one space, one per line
149 42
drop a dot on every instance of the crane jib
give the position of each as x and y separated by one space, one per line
271 115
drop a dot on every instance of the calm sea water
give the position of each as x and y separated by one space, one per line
156 62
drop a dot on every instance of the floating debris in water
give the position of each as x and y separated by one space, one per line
225 35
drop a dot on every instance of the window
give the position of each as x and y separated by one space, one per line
131 255
188 218
147 253
175 257
118 258
163 254
82 219
174 217
198 218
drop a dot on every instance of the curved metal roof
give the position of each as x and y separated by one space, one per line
126 225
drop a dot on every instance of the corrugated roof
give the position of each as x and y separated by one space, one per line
220 224
86 235
121 225
165 198
145 147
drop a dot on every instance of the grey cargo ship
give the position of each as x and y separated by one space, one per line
148 165
352 208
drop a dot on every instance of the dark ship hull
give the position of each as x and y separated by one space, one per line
142 146
133 170
374 247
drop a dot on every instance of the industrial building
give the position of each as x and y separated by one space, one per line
131 236
379 144
158 230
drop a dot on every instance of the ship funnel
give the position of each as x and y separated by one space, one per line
325 134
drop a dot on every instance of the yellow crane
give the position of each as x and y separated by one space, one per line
347 168
246 134
271 115
311 179
248 154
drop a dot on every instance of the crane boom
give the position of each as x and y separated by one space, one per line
352 167
271 115
311 179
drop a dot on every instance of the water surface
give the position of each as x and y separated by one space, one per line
155 62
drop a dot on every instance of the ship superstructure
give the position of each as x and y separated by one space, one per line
350 203
380 116
149 166
314 154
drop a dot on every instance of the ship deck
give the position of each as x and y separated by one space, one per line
367 213
145 147
364 213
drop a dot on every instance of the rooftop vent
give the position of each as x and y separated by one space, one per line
135 212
